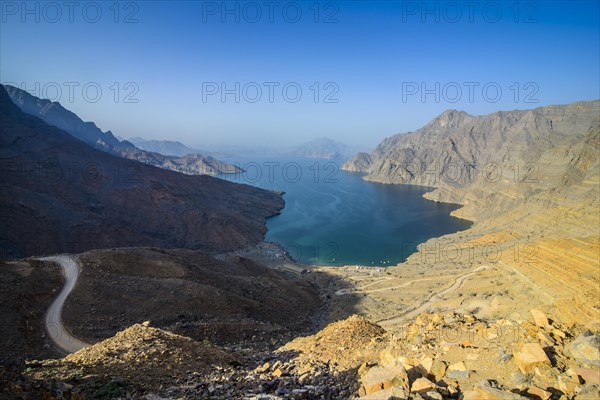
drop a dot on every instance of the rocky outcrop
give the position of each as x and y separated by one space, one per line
585 349
437 356
56 115
340 343
60 195
359 163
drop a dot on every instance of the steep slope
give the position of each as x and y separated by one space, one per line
56 115
522 151
192 293
359 163
529 180
61 195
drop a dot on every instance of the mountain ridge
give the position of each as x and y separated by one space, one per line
166 147
61 195
56 115
527 178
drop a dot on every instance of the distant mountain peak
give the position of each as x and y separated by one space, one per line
326 148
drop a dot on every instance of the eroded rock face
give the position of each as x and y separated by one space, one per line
471 157
526 178
61 195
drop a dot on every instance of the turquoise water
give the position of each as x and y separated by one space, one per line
332 217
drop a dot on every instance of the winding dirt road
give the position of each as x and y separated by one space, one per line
342 292
54 325
458 281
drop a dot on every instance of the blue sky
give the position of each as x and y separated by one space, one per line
366 70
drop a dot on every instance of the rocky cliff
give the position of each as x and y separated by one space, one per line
458 150
529 179
61 195
56 115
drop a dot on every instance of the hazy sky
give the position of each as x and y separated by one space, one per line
282 72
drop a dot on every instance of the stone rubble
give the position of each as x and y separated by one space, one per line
352 358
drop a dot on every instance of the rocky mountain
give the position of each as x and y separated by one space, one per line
323 148
530 180
359 163
56 115
166 147
61 195
191 164
533 151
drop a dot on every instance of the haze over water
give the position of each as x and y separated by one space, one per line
333 217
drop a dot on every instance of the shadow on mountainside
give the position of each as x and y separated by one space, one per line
229 301
198 302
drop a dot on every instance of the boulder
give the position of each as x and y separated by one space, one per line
459 366
438 369
585 349
393 393
589 375
458 374
485 391
422 385
545 339
590 392
425 366
433 395
567 384
530 355
540 319
380 378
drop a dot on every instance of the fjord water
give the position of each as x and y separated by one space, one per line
333 217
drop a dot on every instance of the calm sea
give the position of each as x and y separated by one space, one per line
333 217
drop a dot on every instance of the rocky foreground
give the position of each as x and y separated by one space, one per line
436 356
